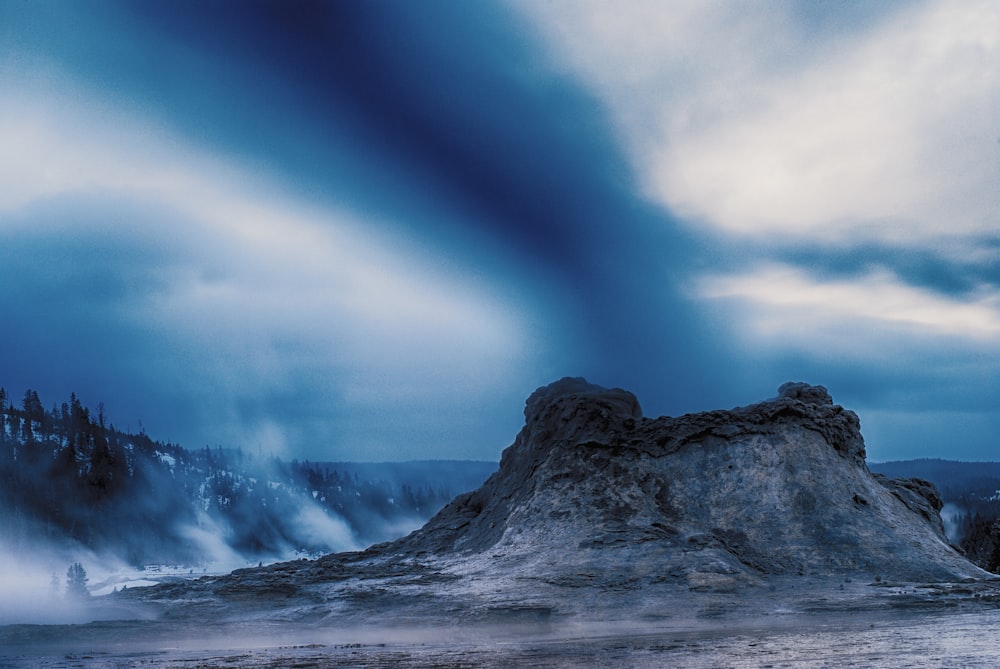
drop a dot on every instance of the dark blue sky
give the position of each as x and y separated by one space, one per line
368 231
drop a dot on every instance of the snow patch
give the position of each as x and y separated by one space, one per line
167 459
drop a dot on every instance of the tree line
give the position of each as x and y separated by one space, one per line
68 473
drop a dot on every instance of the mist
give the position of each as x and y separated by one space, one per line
951 515
34 582
34 586
133 511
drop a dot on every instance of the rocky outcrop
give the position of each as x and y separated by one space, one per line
920 496
596 507
775 488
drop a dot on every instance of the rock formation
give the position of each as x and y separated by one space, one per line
594 505
710 499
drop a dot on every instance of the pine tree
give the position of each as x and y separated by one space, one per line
76 582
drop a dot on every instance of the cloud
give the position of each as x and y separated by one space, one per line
784 305
249 293
741 120
914 362
364 240
893 138
838 165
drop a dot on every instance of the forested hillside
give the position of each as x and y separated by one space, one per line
68 474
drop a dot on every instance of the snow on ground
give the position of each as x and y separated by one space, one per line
154 574
108 589
167 459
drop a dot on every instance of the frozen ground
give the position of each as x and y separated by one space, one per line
888 639
130 577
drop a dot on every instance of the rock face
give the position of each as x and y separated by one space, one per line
776 488
595 505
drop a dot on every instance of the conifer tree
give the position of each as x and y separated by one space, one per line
76 582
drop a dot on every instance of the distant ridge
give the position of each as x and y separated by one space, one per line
941 472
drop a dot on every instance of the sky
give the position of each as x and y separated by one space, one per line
368 231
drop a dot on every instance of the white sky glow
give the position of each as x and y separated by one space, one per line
737 119
262 285
787 299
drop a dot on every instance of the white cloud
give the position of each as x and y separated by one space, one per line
786 307
754 125
264 287
256 256
740 119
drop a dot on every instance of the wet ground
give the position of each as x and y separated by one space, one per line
954 639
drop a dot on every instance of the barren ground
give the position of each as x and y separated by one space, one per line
959 634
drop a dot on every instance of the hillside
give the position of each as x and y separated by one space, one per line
70 478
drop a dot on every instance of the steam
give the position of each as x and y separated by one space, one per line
319 528
33 586
33 571
181 514
313 526
207 539
28 587
950 515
